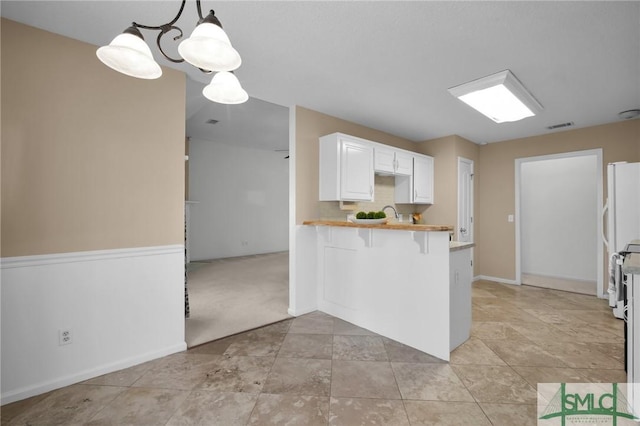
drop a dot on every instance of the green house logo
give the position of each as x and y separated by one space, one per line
590 406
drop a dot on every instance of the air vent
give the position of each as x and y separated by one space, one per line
561 125
211 121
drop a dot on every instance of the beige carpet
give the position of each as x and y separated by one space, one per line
229 296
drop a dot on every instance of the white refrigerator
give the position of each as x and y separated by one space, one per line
623 226
622 211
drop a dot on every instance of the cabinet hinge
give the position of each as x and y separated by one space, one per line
472 263
471 219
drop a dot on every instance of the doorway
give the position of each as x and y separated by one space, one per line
558 199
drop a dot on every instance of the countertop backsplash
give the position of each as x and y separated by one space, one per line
384 194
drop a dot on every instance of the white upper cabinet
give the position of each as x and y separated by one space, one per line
417 188
423 179
348 164
404 163
346 168
389 161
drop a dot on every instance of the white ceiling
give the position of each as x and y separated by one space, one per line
388 65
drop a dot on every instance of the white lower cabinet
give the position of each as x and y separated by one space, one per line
459 297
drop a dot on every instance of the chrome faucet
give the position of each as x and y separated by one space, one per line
392 208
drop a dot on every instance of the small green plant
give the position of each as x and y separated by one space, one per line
371 215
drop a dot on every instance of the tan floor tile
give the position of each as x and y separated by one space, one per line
581 355
502 314
140 406
402 353
255 344
541 332
359 348
511 414
278 327
238 374
435 382
581 331
489 383
344 328
535 375
299 376
495 331
363 379
179 371
524 353
474 351
210 408
126 377
75 404
217 347
313 323
445 413
319 346
10 411
598 375
358 411
479 292
290 410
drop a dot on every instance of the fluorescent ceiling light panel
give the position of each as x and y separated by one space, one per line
499 96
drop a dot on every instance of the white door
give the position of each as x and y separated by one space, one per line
464 229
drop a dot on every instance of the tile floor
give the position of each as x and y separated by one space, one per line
319 370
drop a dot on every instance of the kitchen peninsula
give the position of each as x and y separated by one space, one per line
403 281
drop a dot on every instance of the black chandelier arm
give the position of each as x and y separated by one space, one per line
169 26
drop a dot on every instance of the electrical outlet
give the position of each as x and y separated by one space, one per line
65 337
245 243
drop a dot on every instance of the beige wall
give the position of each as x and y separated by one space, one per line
310 125
495 180
91 159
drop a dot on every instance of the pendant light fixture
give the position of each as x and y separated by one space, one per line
208 48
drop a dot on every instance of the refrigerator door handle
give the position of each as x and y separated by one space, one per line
604 212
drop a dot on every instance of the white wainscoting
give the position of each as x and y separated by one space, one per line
123 307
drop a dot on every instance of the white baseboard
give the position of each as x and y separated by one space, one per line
123 306
495 279
61 382
298 312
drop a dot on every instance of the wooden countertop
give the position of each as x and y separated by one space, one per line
395 226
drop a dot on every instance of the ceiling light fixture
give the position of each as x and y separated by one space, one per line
208 49
499 96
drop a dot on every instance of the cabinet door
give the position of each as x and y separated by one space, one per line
404 164
423 179
384 160
356 171
459 297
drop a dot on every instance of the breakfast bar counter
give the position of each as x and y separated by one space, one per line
393 279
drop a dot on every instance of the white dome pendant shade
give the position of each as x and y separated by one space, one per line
129 54
209 47
225 89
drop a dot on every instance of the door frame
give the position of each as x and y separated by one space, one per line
471 198
471 204
600 290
